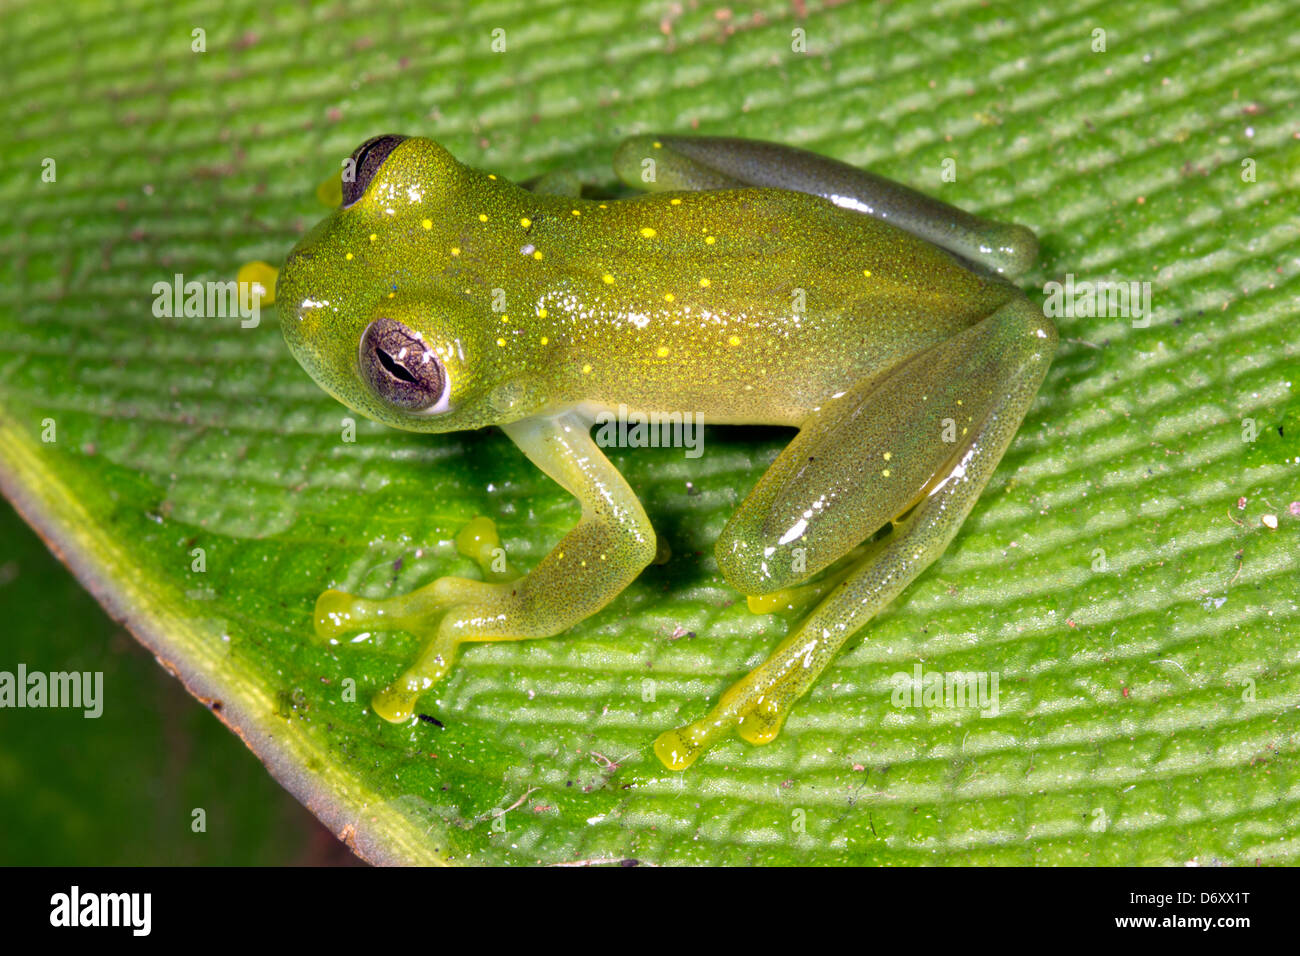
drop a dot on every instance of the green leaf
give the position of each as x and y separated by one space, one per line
1122 574
71 783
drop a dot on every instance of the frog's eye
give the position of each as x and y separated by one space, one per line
401 369
364 163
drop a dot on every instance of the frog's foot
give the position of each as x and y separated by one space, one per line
422 613
596 560
755 706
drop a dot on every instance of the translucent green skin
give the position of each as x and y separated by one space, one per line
906 370
766 244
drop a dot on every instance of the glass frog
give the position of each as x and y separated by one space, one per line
750 283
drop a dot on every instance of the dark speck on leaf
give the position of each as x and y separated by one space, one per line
432 720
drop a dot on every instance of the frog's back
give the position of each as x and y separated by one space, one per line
748 305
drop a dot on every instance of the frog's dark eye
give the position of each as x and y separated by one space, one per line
364 163
401 369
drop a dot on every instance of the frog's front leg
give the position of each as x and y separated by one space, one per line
611 544
924 438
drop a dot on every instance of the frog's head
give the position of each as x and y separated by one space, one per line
363 300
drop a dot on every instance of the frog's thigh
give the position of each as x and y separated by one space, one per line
559 182
718 162
980 383
653 164
860 462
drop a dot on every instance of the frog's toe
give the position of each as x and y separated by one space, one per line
396 702
762 722
338 613
677 749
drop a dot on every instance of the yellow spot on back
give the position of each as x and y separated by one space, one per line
586 370
541 313
709 239
607 279
704 283
501 342
888 455
658 145
734 340
885 472
348 256
492 175
525 222
575 212
455 250
648 232
669 297
373 237
867 273
482 217
427 223
675 202
545 340
662 351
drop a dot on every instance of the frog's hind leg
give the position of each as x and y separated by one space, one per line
974 389
659 163
558 182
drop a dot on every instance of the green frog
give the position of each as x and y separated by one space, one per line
750 283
